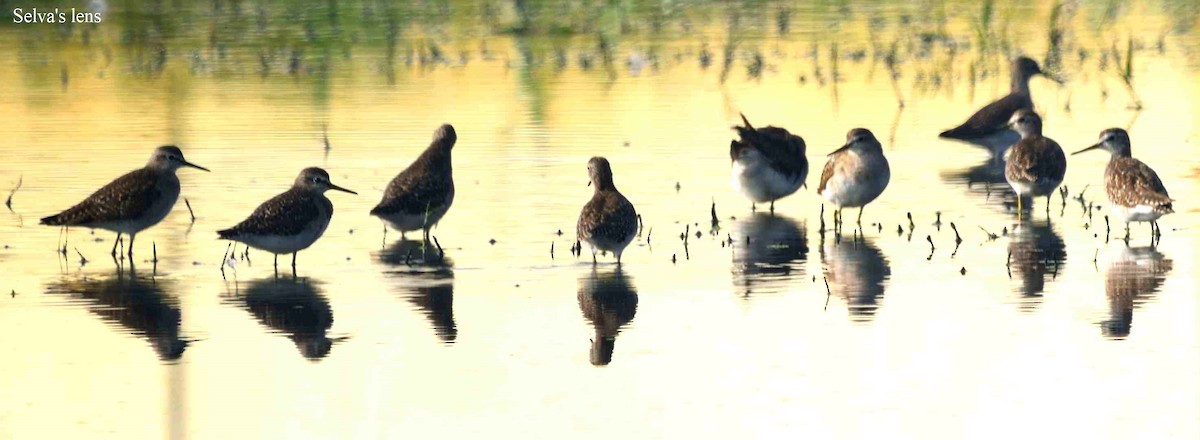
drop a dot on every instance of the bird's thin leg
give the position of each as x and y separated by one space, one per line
593 256
1020 206
276 264
1126 232
293 264
66 238
131 238
860 210
772 206
618 258
1048 206
115 242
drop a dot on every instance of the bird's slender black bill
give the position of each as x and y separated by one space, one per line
189 164
1093 147
839 150
338 188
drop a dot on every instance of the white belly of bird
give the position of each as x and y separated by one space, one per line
286 244
1035 189
616 247
412 222
1139 213
846 192
759 182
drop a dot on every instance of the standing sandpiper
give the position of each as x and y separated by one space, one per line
1134 189
768 163
856 173
988 127
1036 164
291 221
608 222
421 194
133 202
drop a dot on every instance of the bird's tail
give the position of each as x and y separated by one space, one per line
227 234
54 220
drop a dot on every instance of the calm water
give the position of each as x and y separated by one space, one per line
1050 328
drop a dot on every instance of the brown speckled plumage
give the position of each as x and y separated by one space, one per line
284 215
1035 161
608 221
123 199
427 184
784 151
1129 183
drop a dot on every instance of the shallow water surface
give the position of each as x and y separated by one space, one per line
754 325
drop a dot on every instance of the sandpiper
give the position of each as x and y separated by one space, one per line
291 221
856 173
1036 164
133 202
608 222
421 194
768 163
1134 189
988 127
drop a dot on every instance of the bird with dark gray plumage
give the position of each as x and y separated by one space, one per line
291 221
608 222
421 194
988 127
1035 164
856 173
1134 189
768 163
133 202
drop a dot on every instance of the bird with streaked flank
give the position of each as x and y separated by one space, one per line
608 222
133 202
291 221
1036 164
855 174
1134 189
421 194
768 163
988 127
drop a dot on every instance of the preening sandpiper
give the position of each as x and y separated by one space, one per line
1036 164
768 163
988 127
608 222
1134 189
291 221
856 173
421 194
133 202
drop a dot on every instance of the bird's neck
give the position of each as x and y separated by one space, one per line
1020 83
437 158
602 185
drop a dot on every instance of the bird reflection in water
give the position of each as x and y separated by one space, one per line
139 305
1036 254
1134 276
294 308
985 181
609 301
857 272
774 254
426 279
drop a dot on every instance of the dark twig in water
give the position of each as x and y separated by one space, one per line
441 253
82 260
911 225
716 224
8 202
640 225
224 258
957 238
154 252
931 247
938 223
552 250
672 258
189 207
990 236
828 293
1106 229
